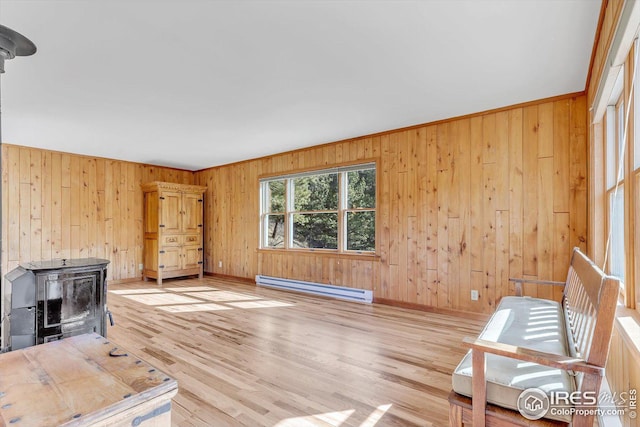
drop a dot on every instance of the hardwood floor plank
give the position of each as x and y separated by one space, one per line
251 356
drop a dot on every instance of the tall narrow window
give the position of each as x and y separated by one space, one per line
614 161
360 218
274 196
331 210
635 180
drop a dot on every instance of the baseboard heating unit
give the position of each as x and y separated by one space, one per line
340 292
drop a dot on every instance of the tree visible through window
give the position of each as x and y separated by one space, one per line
315 211
275 213
361 214
331 210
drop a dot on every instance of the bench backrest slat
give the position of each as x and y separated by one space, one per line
583 327
589 306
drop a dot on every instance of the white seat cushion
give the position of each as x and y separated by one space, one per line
525 322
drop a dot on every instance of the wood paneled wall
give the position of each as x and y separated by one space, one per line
623 365
462 204
59 205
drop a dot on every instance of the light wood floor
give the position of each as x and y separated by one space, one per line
249 356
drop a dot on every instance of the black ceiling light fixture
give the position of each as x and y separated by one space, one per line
13 44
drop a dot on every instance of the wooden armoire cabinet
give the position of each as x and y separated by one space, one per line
173 230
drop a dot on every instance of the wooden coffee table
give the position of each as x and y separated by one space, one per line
76 382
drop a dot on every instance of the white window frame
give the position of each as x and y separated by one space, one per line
614 173
342 210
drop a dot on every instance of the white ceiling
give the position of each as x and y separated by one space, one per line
194 84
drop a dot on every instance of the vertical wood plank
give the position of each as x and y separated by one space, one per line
545 225
502 164
443 180
578 173
464 165
476 190
489 248
502 255
546 132
561 245
432 198
47 206
489 138
56 205
456 297
516 210
561 129
12 159
530 190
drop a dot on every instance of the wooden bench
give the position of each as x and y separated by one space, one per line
527 343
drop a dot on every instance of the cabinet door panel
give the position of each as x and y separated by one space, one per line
151 212
171 258
192 256
192 213
170 208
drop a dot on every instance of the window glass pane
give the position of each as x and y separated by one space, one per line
616 227
361 231
621 134
636 114
636 149
318 230
636 205
361 189
316 193
276 196
275 230
610 145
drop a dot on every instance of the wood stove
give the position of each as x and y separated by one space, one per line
51 300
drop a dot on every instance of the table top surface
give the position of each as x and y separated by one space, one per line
75 381
62 263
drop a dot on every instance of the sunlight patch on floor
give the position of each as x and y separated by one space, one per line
190 299
335 419
330 418
222 296
162 299
375 416
192 289
137 291
189 308
259 304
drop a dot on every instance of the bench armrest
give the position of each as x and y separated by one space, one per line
519 282
566 363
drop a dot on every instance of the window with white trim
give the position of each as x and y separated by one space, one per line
332 210
615 143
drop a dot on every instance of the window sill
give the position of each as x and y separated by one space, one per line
322 253
627 322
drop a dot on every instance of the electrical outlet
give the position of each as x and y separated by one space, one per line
474 295
219 264
140 267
